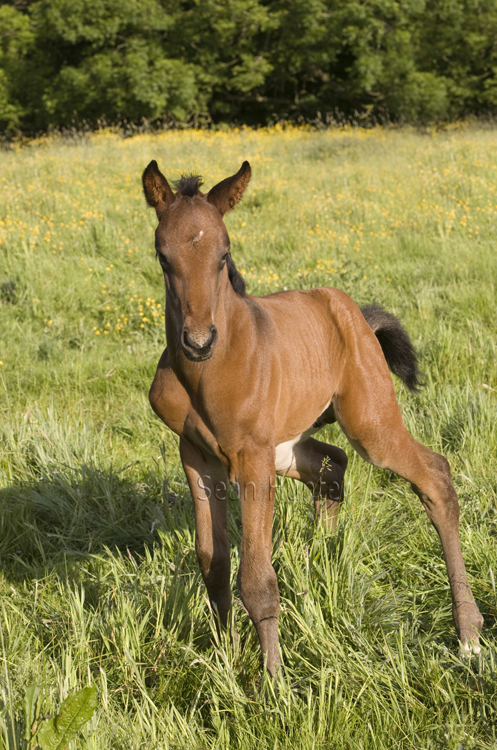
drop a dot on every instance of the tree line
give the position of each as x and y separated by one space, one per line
66 62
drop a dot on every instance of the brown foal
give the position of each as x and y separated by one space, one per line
245 381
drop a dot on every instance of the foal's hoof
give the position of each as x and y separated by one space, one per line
468 648
469 634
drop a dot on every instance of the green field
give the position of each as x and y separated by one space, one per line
99 582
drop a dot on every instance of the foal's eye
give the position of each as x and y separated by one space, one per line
224 258
163 262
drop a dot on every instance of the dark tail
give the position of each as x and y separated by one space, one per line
396 344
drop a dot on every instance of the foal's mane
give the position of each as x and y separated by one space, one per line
237 280
189 185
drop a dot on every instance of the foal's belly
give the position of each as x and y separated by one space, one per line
285 456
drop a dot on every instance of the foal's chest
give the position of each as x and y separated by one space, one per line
173 404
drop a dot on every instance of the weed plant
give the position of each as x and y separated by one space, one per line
99 583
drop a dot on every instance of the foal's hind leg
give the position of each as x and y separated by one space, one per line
375 429
434 487
322 468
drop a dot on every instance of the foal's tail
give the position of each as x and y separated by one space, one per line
396 345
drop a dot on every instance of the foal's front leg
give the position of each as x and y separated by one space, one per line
208 483
254 473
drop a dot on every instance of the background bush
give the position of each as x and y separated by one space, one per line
63 62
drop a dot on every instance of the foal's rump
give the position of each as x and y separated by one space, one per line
364 404
396 346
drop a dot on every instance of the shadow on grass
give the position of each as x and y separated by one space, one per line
105 547
74 513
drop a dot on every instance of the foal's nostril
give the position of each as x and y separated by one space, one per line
186 340
213 335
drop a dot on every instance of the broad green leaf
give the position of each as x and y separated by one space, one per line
76 710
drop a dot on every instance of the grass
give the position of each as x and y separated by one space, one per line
99 583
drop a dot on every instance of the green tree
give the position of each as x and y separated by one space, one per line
105 59
16 38
64 61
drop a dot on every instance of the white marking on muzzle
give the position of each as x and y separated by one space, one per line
200 338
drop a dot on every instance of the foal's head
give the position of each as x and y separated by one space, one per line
193 248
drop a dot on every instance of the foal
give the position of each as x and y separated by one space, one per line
245 381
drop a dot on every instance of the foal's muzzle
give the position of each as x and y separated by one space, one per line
198 347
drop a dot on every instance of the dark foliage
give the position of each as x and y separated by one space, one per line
64 63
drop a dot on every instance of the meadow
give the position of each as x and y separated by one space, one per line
99 583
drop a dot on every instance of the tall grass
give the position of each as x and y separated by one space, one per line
99 582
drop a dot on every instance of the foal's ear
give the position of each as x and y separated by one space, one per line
158 194
226 194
